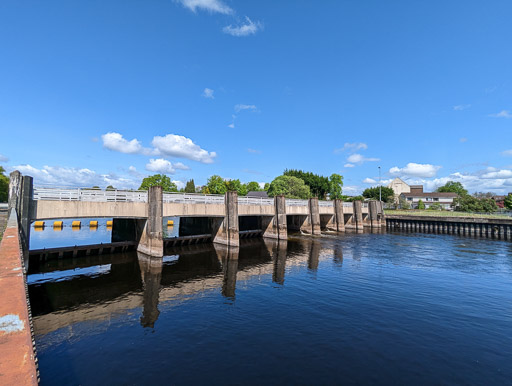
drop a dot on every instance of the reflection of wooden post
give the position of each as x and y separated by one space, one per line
314 255
279 262
151 272
228 256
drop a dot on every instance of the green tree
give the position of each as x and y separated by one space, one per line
215 185
236 185
253 186
110 187
373 193
190 187
403 203
453 187
318 185
335 186
435 206
266 187
290 187
96 187
507 203
159 180
352 199
4 186
421 205
469 203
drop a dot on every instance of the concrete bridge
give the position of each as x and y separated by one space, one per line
141 213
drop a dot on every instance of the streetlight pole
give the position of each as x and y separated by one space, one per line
380 187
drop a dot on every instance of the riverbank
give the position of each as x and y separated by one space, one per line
444 213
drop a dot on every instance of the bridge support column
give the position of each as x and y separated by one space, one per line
151 241
339 216
373 214
225 230
314 216
358 215
276 227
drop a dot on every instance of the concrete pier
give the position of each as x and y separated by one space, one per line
314 216
339 217
151 240
226 229
357 217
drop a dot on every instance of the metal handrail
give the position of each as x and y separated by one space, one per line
184 198
329 204
296 202
255 201
84 194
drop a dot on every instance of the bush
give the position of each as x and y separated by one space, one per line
421 205
435 206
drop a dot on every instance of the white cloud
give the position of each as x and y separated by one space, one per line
415 170
359 159
352 147
239 108
463 140
208 93
501 174
349 165
231 125
160 165
254 151
116 142
180 166
461 107
502 114
249 28
179 184
369 181
3 158
178 146
507 153
207 5
74 177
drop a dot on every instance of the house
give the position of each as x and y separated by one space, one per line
399 187
445 200
258 194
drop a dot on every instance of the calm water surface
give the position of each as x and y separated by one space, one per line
354 309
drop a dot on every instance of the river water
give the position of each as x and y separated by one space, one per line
384 308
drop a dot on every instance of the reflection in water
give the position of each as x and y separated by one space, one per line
279 252
417 299
229 259
151 272
314 254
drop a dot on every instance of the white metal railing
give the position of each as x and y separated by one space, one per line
329 204
255 201
365 205
295 202
193 198
81 194
348 205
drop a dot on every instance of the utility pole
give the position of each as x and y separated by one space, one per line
380 187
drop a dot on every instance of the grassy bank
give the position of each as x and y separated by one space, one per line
443 213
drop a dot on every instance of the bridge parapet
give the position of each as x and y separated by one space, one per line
94 195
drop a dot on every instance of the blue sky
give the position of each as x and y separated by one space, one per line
107 92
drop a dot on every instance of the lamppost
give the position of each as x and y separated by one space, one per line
380 187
